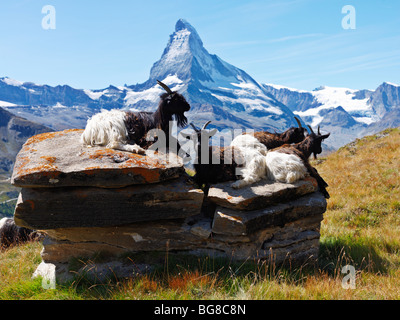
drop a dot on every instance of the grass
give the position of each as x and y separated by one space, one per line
361 227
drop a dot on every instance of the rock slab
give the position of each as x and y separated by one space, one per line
259 195
50 208
58 159
239 223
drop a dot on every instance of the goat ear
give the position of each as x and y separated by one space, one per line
213 131
325 136
186 136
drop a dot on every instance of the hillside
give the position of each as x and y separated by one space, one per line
364 210
14 131
361 228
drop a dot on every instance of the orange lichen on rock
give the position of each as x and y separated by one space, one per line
48 135
128 160
106 152
312 180
45 168
149 175
62 153
50 160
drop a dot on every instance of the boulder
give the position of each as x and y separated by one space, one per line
58 159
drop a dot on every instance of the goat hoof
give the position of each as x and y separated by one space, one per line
140 151
236 185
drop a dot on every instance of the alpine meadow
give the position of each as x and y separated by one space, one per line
207 151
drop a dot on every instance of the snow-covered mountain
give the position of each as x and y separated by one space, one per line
217 91
347 113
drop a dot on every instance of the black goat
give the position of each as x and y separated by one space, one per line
11 234
127 131
310 145
216 164
209 164
275 140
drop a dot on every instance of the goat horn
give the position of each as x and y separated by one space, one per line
298 122
206 124
194 127
319 133
312 131
166 88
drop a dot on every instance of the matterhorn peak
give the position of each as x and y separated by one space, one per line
177 58
182 24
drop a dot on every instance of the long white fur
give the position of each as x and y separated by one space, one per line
260 163
108 129
282 167
3 222
254 154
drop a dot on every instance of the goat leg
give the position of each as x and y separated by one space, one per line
127 147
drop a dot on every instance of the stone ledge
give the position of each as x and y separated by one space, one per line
51 208
259 195
58 159
236 223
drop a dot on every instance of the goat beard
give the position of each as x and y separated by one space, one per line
181 119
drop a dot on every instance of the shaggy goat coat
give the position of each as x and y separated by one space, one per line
254 166
127 131
282 167
275 140
106 128
11 234
303 150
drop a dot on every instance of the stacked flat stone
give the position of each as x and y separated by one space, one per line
266 220
91 200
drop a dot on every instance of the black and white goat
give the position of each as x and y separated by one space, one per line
215 164
11 234
126 130
275 140
290 163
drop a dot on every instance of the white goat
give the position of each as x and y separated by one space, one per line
261 163
283 167
254 153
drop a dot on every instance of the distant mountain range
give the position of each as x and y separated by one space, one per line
217 91
347 113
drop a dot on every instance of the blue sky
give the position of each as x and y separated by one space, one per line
295 43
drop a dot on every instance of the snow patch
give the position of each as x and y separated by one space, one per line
365 120
332 97
12 82
93 95
6 104
279 87
392 84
